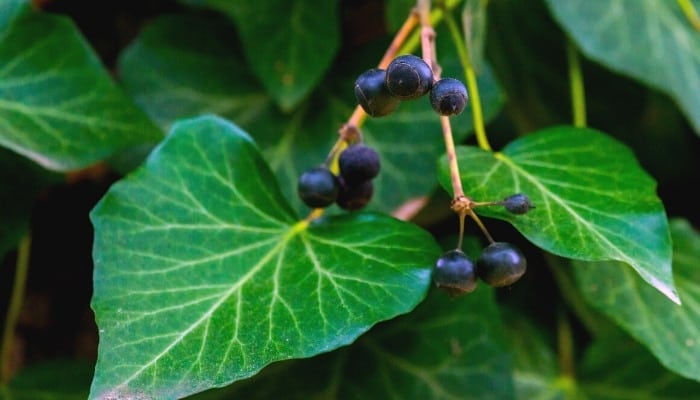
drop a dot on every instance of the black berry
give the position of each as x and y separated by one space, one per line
318 187
358 163
356 196
408 77
455 273
501 264
448 96
518 203
372 94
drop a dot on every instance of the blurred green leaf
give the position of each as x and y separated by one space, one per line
204 274
289 45
58 105
670 331
616 367
649 40
50 380
593 200
20 183
174 72
448 348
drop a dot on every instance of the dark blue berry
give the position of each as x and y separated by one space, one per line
372 94
455 273
518 203
356 196
448 96
318 187
408 77
358 163
501 264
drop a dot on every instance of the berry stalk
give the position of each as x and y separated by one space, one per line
470 75
16 299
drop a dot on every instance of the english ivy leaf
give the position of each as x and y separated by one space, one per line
301 39
204 274
612 32
59 380
9 9
593 200
445 349
671 332
176 72
615 367
58 105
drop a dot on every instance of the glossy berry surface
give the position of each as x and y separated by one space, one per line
518 204
372 94
448 96
408 77
355 197
358 163
318 187
455 273
501 264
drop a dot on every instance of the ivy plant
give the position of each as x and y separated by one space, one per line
214 276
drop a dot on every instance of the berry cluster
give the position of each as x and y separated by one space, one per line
407 77
351 189
500 263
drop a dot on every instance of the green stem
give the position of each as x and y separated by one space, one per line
470 75
565 345
578 95
690 13
572 296
15 305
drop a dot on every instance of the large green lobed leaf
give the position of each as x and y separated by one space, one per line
289 45
446 348
670 331
58 105
593 200
204 274
649 40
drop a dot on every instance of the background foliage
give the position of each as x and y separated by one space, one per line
150 150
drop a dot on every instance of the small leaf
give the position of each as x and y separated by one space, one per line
300 41
446 349
613 32
644 313
593 201
58 106
204 275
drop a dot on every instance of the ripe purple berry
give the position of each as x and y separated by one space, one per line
372 94
358 163
448 96
518 203
408 77
455 273
501 264
318 187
